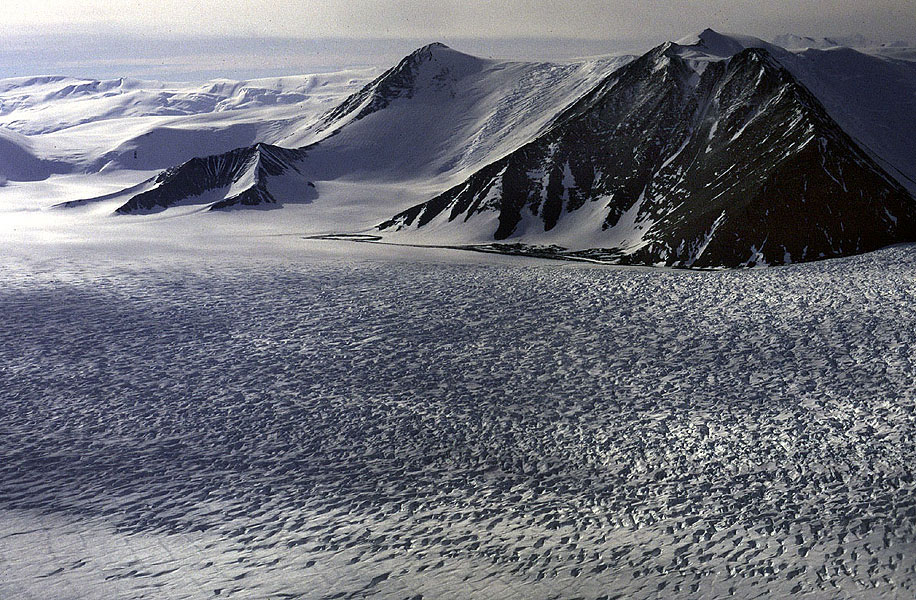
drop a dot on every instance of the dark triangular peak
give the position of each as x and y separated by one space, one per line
434 66
769 178
713 163
644 71
241 177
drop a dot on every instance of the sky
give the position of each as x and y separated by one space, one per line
199 39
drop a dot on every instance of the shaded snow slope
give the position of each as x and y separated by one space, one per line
872 97
19 161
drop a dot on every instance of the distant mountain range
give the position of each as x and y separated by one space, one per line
715 151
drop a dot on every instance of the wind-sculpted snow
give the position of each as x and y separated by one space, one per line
390 430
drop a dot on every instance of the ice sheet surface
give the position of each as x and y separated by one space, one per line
332 425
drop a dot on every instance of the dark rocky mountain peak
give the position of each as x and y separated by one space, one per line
242 177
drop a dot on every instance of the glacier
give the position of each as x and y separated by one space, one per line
330 423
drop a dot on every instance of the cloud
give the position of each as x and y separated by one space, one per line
590 19
239 39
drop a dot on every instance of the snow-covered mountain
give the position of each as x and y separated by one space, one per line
869 90
262 175
717 150
431 120
801 42
37 105
440 113
702 155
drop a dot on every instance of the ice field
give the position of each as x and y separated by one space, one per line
339 423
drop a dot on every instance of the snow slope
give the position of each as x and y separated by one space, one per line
440 113
872 97
20 162
90 125
870 91
429 121
858 41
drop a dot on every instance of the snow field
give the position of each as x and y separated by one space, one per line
356 427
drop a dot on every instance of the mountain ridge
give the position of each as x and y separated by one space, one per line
244 177
711 151
648 218
437 114
401 80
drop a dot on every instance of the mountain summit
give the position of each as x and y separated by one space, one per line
262 175
721 45
432 67
426 123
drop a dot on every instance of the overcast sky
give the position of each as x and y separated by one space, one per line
79 35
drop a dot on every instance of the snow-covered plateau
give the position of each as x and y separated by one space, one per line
210 389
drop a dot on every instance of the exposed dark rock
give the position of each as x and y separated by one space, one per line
251 169
399 81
